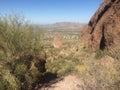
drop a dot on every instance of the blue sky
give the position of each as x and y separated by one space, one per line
51 11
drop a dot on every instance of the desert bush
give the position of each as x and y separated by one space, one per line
101 53
63 66
21 52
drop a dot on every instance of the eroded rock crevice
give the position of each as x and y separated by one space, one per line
103 40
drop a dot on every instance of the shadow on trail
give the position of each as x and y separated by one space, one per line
47 80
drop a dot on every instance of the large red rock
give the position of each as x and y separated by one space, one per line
103 30
57 43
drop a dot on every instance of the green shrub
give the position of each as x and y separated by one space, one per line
100 53
63 66
20 49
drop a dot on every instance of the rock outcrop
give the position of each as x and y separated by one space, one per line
103 30
57 43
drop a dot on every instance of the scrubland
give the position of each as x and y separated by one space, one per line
27 54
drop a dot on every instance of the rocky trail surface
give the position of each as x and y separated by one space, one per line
70 82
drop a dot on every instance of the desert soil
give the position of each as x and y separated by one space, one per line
70 82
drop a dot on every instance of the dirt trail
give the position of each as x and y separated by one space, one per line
70 82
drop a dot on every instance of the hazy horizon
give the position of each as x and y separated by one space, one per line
52 11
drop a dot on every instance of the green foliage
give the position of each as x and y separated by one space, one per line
63 66
20 50
99 54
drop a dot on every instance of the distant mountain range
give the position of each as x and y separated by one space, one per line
63 26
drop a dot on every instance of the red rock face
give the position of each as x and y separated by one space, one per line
57 42
103 30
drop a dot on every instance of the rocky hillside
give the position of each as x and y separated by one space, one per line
103 30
